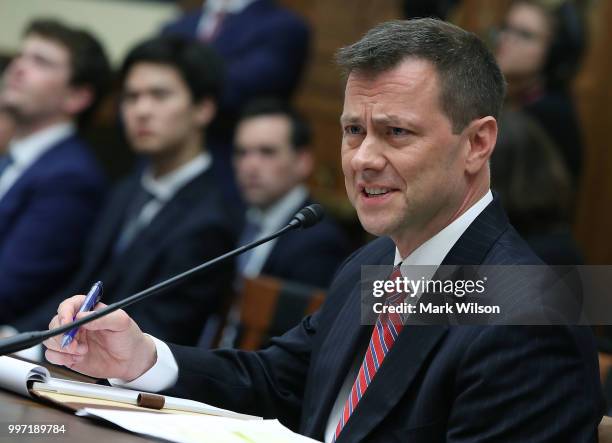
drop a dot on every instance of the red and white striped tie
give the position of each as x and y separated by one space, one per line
386 330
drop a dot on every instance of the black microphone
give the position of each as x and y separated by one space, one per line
305 218
308 216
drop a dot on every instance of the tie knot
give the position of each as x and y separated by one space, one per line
396 297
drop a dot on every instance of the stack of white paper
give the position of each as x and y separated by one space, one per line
198 428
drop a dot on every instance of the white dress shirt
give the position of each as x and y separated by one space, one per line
26 151
164 188
270 221
431 253
164 373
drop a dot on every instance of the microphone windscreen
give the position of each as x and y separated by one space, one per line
309 216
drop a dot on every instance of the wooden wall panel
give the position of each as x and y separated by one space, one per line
593 92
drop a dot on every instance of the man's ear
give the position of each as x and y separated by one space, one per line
78 99
481 137
205 111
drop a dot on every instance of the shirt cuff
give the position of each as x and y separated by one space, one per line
162 375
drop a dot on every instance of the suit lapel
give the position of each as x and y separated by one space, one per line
275 261
105 236
339 350
413 346
397 372
336 356
477 240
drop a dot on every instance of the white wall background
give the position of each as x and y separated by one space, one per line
118 24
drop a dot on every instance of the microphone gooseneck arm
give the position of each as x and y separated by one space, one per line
306 217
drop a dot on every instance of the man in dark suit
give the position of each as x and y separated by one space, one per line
273 160
265 49
167 216
50 185
419 127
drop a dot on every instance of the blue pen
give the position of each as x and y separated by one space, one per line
93 297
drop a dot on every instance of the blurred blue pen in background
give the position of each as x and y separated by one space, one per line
93 297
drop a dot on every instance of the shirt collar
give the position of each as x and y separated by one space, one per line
273 217
226 6
164 187
27 150
433 251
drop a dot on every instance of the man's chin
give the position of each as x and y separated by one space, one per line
143 148
379 228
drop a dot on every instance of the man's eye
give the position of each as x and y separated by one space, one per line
398 131
352 130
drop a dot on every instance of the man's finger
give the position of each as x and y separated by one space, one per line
68 308
115 321
59 358
54 322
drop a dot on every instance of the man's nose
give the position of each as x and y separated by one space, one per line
250 163
369 155
143 107
16 67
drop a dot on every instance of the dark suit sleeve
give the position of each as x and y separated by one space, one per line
268 383
45 244
180 314
529 385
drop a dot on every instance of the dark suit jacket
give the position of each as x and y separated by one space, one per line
309 256
264 46
191 228
438 383
44 220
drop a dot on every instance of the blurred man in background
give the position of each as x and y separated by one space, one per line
167 216
50 185
273 160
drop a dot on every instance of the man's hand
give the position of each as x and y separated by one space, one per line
110 347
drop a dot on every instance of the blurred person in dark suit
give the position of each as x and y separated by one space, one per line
167 216
539 50
265 49
273 160
50 185
535 188
419 126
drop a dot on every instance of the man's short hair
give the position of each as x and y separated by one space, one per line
301 134
89 65
471 83
198 65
